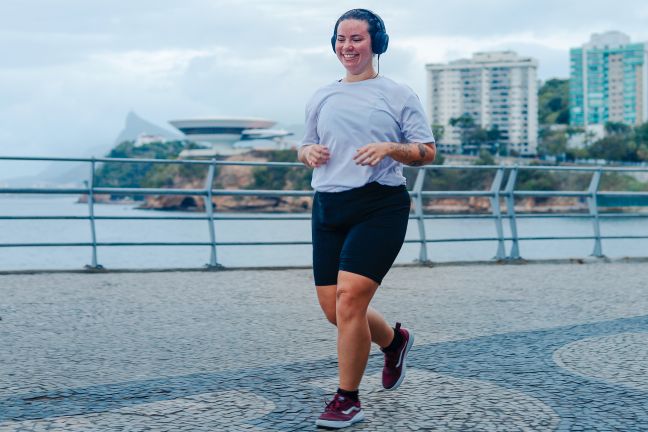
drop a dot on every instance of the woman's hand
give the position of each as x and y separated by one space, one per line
372 154
314 155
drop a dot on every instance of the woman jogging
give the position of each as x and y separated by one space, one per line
359 132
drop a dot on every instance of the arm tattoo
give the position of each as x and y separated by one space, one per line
400 151
422 154
410 154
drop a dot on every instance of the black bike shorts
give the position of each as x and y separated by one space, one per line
360 230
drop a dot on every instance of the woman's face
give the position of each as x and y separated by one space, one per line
353 46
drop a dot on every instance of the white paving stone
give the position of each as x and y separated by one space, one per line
111 328
185 330
439 402
620 359
226 410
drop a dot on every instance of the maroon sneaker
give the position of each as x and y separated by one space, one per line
340 412
394 370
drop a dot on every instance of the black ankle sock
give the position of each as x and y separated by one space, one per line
396 342
353 395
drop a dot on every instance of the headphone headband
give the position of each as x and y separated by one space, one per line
376 17
379 36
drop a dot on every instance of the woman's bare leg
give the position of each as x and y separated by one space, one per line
354 292
381 333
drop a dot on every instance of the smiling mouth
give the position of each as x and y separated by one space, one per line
349 56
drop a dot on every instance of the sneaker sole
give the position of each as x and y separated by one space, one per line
410 342
329 424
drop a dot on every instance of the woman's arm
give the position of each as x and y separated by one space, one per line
412 154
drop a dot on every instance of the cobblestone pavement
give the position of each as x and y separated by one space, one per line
498 347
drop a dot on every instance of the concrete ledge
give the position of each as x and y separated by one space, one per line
430 264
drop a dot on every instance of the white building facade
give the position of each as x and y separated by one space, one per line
495 89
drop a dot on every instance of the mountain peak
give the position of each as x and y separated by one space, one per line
134 125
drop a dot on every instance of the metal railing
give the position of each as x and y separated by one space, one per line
498 192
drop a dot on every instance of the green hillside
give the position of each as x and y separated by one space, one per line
553 102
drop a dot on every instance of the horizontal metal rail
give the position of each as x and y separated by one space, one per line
497 193
308 217
306 242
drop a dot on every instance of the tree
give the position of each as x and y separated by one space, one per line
281 178
473 136
137 174
623 143
438 131
617 128
465 123
614 148
641 133
553 102
493 134
642 152
485 158
552 142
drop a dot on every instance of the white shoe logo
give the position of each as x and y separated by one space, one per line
350 410
400 358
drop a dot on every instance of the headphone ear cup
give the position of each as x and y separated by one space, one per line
333 40
380 42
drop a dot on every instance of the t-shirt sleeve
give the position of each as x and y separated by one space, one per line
414 125
310 132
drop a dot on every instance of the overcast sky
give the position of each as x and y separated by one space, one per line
70 70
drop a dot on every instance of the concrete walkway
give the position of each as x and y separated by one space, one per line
498 347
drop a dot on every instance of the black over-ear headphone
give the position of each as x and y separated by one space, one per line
379 37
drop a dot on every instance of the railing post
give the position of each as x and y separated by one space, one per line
495 208
209 210
418 211
93 230
510 208
592 204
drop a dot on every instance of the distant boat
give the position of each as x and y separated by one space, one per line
221 133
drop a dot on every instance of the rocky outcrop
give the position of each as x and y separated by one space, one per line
234 177
229 204
526 205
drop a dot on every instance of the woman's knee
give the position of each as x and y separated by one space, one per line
351 303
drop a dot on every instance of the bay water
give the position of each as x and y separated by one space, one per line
127 257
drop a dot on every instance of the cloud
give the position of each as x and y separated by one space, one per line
58 110
551 52
275 85
70 70
151 66
500 17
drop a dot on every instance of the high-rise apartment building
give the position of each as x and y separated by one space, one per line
496 89
608 81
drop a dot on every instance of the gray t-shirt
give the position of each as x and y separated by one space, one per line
346 116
